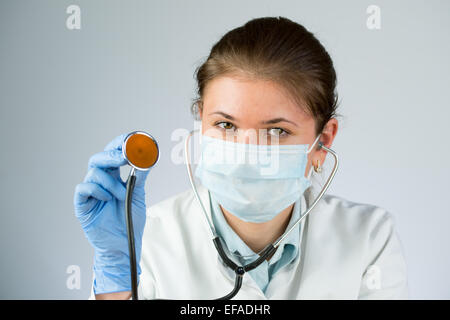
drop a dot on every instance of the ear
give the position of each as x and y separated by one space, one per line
199 108
327 137
200 112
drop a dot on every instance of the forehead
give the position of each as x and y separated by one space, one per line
256 98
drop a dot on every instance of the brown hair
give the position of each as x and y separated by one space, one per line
280 50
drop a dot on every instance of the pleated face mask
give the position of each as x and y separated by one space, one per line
253 182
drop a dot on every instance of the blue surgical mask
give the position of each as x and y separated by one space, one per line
253 182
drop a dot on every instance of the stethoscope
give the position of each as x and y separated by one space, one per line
141 151
238 269
269 249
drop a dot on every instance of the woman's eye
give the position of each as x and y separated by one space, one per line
225 125
277 132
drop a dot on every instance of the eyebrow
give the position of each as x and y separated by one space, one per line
271 121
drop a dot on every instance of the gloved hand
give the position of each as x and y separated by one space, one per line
100 207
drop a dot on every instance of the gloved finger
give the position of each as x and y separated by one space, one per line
107 159
114 172
141 176
85 190
106 181
116 143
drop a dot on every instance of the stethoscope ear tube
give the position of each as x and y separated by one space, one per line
267 252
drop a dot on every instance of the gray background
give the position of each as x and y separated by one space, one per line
64 94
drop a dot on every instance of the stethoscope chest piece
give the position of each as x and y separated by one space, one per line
141 150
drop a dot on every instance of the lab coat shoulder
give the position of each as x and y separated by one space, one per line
171 205
175 215
365 234
355 221
173 243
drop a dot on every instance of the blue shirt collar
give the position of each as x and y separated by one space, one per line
235 244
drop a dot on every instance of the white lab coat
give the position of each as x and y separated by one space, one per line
348 251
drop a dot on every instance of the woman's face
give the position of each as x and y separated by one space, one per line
259 112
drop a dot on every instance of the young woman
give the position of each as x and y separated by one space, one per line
273 77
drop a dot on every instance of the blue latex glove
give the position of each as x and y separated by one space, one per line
100 207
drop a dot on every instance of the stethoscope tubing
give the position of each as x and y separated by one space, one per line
269 249
130 232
